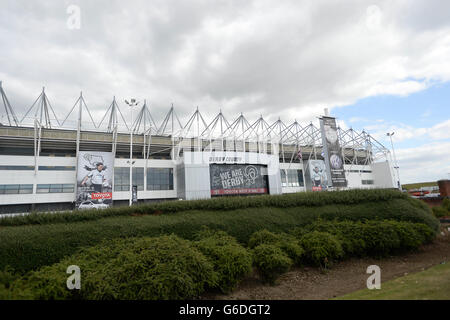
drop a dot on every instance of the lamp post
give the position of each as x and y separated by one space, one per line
133 103
395 160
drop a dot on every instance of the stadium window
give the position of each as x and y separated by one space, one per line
122 179
292 178
16 167
55 188
138 178
159 179
12 188
57 168
301 183
25 188
43 188
16 188
68 188
283 177
13 151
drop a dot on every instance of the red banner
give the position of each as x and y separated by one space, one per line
239 191
101 195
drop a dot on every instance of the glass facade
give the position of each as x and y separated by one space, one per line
57 168
122 178
138 178
43 168
159 179
283 177
16 167
16 188
55 188
291 178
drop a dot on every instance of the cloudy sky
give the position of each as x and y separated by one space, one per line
377 65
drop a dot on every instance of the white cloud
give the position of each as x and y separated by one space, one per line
428 162
288 59
403 132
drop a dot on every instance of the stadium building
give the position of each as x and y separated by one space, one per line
48 164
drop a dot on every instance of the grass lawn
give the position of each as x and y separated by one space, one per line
431 284
418 185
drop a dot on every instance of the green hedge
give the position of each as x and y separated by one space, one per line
443 210
373 238
220 204
270 262
165 267
231 261
287 243
30 247
321 248
168 267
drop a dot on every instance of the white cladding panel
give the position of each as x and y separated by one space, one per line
197 185
69 177
382 174
197 176
191 176
355 174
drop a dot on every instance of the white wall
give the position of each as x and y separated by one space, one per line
66 177
197 182
382 173
194 171
197 177
43 177
354 179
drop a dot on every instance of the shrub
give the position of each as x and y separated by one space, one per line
321 248
7 277
289 244
349 233
231 261
440 212
409 237
263 237
377 238
446 204
166 267
270 262
424 231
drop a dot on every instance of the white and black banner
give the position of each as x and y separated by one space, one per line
235 179
332 152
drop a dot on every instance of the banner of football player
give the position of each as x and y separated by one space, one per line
316 175
235 179
94 179
332 152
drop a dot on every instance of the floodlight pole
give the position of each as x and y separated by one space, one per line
395 160
133 103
